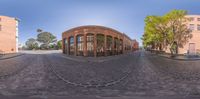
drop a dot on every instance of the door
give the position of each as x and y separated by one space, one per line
192 48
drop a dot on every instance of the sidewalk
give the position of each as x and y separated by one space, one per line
8 56
95 59
180 57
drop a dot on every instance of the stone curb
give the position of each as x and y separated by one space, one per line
189 59
88 60
11 57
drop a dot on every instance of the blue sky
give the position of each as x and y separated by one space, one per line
56 16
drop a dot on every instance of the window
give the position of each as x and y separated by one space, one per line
191 19
66 42
90 46
100 43
191 27
198 27
71 40
80 43
66 45
90 42
120 45
109 43
90 38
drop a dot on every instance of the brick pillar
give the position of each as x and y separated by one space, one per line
124 51
67 45
105 45
63 45
113 39
75 45
95 45
117 46
84 45
122 46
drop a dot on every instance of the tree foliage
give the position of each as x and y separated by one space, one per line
155 30
178 33
32 44
168 30
59 44
45 38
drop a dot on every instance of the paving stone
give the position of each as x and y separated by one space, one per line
147 75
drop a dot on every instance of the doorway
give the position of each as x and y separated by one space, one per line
192 48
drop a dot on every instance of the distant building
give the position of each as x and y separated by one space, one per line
95 41
193 45
20 46
8 35
135 45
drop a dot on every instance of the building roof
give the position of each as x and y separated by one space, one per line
98 26
10 17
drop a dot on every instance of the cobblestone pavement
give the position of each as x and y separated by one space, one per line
145 76
8 67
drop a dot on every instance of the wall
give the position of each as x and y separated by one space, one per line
8 33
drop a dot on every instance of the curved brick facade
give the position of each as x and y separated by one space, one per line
95 41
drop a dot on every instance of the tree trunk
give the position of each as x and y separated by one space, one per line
171 50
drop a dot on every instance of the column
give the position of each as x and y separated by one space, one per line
63 45
113 40
105 45
122 46
85 45
117 46
124 41
68 46
75 45
95 45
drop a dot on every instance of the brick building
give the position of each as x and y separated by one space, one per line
8 35
193 45
135 45
95 41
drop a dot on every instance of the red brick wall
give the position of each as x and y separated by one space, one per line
84 30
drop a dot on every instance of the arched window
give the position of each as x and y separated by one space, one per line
121 46
90 44
109 45
116 46
66 46
100 44
71 42
80 45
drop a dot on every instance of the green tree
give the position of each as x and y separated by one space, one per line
178 33
59 44
32 43
45 38
44 47
168 30
155 32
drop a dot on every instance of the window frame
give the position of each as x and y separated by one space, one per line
192 28
198 19
198 27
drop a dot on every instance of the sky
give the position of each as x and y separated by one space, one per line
57 16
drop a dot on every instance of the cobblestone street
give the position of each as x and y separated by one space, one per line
139 75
